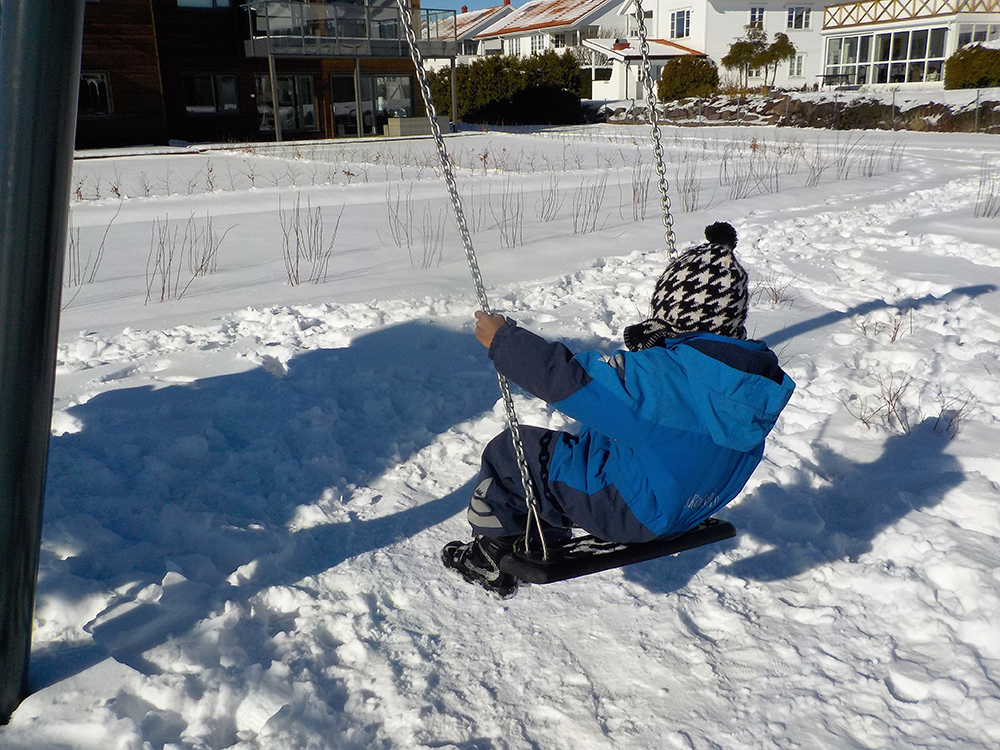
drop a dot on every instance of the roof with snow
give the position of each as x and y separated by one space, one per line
658 49
548 14
472 22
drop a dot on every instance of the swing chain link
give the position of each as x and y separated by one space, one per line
661 170
477 278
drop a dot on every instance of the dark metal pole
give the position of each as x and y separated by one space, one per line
40 45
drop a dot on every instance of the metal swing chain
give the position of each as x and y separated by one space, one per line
661 170
477 279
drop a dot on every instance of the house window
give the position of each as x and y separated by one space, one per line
913 56
95 95
470 47
296 102
203 3
680 24
757 18
756 72
208 93
977 32
798 17
558 41
795 66
537 43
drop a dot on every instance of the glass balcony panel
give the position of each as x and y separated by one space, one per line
344 28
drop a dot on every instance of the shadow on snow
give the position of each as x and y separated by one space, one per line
206 477
806 527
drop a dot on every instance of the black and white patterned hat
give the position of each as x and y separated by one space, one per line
702 291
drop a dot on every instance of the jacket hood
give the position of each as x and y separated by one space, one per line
736 407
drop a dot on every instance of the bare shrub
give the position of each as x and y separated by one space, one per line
953 411
847 155
871 162
770 289
888 407
641 174
688 184
304 241
399 213
170 251
78 271
547 209
818 164
474 209
896 153
432 239
988 193
587 203
510 220
891 327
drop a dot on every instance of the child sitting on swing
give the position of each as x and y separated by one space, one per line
671 429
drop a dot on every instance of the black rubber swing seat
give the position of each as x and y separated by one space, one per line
584 555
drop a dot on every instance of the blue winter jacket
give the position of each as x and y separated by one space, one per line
677 429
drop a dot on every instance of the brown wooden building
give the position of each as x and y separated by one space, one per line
156 71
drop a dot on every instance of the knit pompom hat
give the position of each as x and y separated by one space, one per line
702 291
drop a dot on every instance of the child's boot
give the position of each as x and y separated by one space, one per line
478 562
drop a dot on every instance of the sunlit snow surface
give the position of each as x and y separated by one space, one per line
249 481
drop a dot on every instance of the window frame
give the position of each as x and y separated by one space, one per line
679 18
888 57
799 14
105 79
796 64
287 84
756 16
219 105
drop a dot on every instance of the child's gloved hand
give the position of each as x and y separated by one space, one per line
487 325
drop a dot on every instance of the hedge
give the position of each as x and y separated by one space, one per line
687 76
973 67
543 89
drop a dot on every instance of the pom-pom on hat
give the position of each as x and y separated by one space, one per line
702 291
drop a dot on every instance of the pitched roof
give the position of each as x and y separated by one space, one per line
470 22
544 14
658 49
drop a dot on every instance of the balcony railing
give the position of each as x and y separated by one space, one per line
888 11
366 28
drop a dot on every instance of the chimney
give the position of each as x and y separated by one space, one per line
464 9
620 44
506 2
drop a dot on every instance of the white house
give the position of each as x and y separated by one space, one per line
902 43
465 28
550 25
626 78
711 26
470 23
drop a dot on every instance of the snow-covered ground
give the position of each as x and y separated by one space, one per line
250 480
